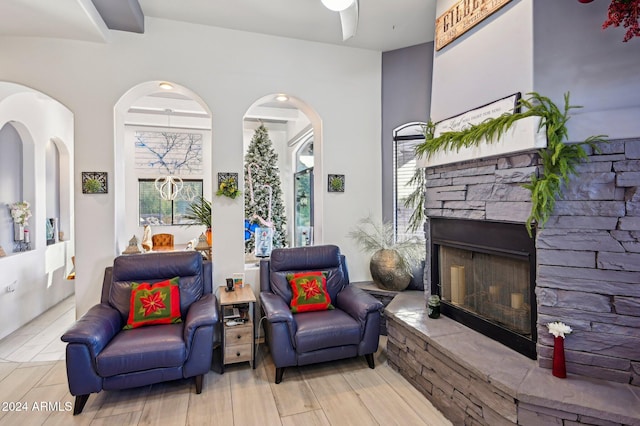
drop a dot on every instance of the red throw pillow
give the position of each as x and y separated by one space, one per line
309 292
152 304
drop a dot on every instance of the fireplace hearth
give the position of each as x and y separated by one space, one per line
484 272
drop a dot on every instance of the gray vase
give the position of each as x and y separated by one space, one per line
386 271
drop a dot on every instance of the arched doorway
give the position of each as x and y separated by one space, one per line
170 115
295 130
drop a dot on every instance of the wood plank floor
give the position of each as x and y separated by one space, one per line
33 390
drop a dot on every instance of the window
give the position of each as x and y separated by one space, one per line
405 139
156 211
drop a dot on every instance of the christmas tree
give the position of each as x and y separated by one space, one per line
263 193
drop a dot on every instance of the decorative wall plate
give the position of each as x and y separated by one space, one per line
94 183
335 183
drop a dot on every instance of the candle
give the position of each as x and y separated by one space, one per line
458 285
517 300
494 292
26 236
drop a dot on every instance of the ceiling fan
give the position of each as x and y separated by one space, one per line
348 15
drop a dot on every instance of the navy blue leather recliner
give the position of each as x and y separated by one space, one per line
351 329
101 355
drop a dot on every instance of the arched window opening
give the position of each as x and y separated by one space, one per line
11 181
163 163
294 130
405 140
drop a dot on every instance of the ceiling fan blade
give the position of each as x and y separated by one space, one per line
349 19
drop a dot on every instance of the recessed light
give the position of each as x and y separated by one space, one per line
282 98
166 86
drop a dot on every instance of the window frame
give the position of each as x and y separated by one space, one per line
405 134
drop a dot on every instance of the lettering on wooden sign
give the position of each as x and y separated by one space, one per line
463 16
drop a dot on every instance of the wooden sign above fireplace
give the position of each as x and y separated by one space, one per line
463 16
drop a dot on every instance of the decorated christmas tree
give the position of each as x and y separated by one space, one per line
263 204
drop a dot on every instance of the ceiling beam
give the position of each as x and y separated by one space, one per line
122 15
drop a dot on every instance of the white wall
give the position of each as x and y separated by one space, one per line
492 60
594 65
229 70
38 275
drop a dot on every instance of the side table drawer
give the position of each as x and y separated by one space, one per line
237 353
238 335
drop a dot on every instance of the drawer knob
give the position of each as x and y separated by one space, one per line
237 353
238 336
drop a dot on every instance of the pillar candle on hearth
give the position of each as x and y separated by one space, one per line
494 292
517 300
458 284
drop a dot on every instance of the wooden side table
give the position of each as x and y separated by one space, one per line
238 341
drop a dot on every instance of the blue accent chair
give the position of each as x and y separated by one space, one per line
101 355
351 329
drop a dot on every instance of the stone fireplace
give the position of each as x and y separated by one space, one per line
586 261
584 270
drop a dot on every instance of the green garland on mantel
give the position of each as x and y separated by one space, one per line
559 159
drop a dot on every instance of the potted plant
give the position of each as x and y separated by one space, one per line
199 211
391 261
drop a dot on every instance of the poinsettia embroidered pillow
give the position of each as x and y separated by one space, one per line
152 304
309 292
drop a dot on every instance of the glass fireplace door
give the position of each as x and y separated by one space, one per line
491 286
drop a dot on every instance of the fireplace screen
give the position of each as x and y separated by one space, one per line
491 286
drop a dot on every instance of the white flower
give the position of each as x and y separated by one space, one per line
559 329
20 212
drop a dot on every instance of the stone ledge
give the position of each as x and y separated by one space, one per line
384 296
533 391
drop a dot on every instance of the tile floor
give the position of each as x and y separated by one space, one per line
33 390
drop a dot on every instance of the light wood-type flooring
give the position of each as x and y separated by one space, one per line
33 390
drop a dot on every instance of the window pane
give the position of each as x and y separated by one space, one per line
404 157
191 190
156 211
153 209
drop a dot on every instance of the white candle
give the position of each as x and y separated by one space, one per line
494 291
517 300
458 285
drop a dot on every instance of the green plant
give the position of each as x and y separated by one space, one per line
229 187
372 236
92 185
558 159
336 183
200 212
415 200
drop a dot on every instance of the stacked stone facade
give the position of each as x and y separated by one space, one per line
588 254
